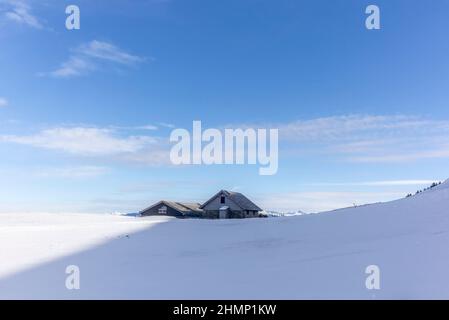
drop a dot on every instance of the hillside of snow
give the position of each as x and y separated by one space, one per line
309 256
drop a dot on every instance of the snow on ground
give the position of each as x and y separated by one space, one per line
27 240
311 256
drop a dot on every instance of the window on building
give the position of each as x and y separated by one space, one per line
162 210
222 199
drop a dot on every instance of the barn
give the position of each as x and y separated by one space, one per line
223 205
229 205
174 209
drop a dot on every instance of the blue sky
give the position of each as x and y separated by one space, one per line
86 114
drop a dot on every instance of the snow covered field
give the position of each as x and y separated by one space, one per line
311 256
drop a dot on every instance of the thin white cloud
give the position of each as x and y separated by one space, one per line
147 127
77 172
368 138
312 202
438 152
90 56
86 141
385 183
105 143
75 66
355 127
107 51
167 125
348 138
20 11
3 102
157 155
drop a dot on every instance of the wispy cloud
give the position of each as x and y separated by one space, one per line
20 11
385 183
312 202
75 66
88 141
76 172
97 142
395 156
348 194
355 127
370 138
3 102
90 56
148 127
350 138
167 125
107 51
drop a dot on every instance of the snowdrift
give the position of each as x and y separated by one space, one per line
303 257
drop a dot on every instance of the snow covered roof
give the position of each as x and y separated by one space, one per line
182 207
243 202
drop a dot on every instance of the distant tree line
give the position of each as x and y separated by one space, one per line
433 185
